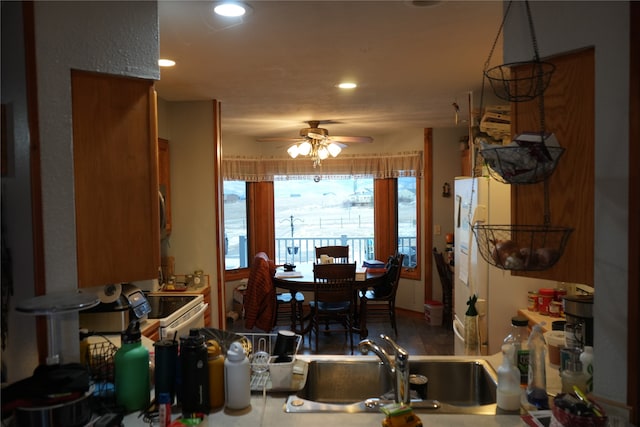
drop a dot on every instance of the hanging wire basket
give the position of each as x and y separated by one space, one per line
530 158
521 247
530 82
519 81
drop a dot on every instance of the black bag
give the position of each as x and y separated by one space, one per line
383 289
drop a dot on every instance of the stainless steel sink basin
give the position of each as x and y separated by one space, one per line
361 384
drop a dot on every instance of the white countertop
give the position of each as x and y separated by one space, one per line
267 411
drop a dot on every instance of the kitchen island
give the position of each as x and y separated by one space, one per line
267 410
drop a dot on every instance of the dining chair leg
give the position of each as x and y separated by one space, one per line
363 319
392 315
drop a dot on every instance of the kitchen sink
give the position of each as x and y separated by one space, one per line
362 384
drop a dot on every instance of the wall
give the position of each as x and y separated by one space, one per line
16 208
446 166
189 128
612 165
111 37
187 125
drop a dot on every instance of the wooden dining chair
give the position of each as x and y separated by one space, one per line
340 254
380 301
285 310
446 280
333 300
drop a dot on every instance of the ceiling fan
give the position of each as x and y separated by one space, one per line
316 143
317 133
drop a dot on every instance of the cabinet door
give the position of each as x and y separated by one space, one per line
164 180
116 178
569 113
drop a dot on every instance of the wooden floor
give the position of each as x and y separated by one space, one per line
414 334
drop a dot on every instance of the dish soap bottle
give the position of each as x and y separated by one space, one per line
519 337
537 380
509 393
586 358
132 370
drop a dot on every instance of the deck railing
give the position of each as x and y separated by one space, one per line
301 250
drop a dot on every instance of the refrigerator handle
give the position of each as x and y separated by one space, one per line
458 328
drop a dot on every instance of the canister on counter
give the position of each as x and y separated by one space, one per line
555 309
532 301
559 295
545 296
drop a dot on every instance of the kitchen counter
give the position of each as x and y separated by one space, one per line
267 411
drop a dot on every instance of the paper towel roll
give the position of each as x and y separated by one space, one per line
109 293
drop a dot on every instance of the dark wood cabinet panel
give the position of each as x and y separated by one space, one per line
569 107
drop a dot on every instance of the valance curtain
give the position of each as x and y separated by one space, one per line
257 169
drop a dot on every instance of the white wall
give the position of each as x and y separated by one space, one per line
111 37
189 128
604 25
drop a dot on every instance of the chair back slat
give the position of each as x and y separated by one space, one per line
334 282
340 254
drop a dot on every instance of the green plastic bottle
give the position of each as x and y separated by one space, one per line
132 371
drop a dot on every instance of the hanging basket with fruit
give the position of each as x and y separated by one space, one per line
521 247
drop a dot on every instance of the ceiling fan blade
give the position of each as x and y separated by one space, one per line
351 139
280 139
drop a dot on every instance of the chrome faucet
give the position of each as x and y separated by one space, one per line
398 367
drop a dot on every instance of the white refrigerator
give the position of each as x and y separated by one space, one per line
500 295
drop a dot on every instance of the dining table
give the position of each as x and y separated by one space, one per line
301 279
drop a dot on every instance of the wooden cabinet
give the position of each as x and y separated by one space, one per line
116 178
207 314
164 182
569 113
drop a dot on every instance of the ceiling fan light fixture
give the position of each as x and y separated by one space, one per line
323 152
230 9
347 85
293 151
304 148
334 149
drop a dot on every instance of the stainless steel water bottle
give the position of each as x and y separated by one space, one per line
195 374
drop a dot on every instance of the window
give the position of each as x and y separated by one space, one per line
331 210
370 203
408 220
235 225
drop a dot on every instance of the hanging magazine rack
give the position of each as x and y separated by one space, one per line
530 158
533 156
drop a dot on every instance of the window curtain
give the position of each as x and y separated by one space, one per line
258 169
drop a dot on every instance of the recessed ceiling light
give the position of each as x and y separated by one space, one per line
230 9
347 85
166 63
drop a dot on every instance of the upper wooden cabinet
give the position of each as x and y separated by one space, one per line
116 178
569 107
164 180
